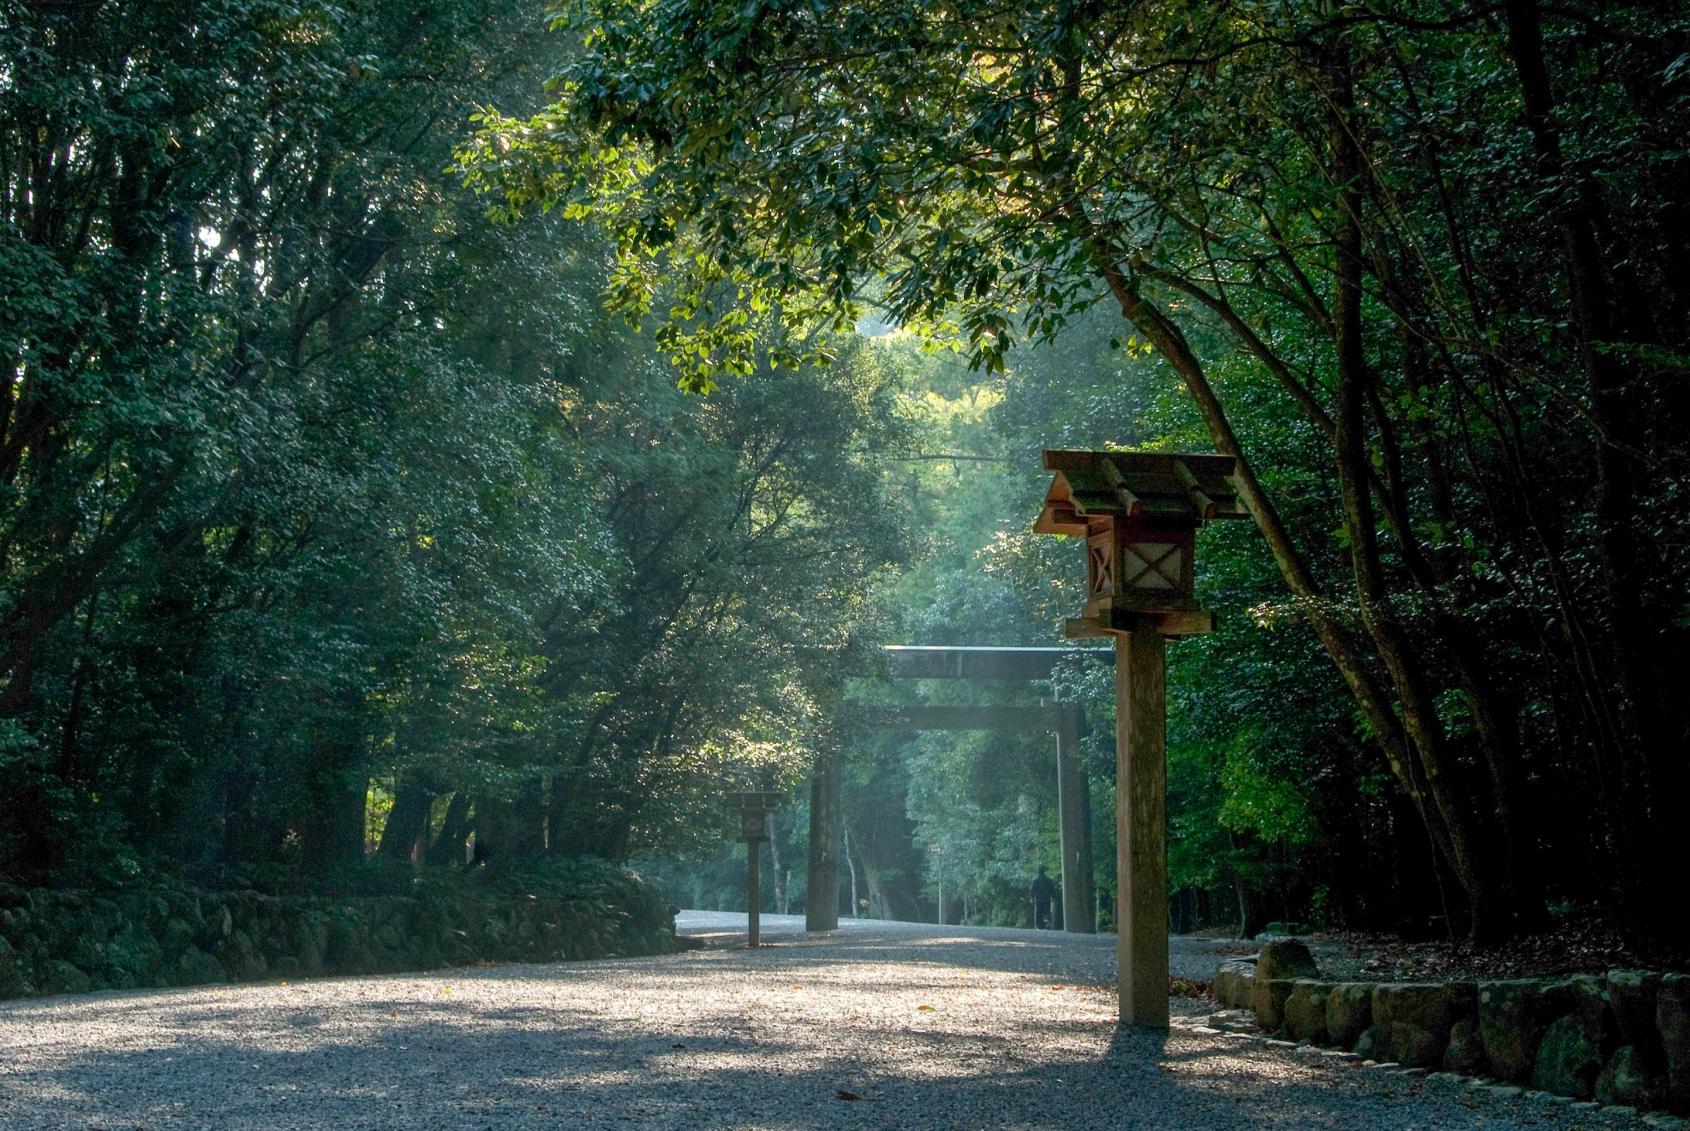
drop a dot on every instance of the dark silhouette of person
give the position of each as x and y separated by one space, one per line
1044 892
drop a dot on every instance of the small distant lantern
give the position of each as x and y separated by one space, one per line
1139 513
754 808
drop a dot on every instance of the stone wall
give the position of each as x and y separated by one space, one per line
69 942
1618 1038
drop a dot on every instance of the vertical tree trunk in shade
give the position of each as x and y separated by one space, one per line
508 833
447 847
407 822
888 887
332 836
851 863
331 831
821 903
1141 861
1643 763
1074 801
777 874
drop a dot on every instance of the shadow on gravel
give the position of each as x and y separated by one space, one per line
580 1046
539 1067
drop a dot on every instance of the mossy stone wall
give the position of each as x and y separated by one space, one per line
70 942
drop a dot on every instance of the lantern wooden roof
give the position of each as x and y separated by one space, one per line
1157 487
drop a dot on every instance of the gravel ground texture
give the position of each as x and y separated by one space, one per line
878 1025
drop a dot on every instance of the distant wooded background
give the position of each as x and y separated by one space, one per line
348 527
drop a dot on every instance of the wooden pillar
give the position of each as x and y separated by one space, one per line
753 893
827 828
1074 805
1141 827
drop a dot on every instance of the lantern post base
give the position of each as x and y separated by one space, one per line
1141 861
1141 793
753 894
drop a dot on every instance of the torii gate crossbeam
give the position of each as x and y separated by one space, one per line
1065 720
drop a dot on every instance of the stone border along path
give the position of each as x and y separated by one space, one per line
879 1025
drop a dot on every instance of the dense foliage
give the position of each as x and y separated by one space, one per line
1420 266
345 526
338 520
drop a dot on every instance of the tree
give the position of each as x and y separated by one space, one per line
317 483
1351 204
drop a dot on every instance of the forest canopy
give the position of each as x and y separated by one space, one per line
430 444
1419 266
338 522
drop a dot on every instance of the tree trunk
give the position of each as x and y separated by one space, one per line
509 833
447 847
821 911
851 865
777 874
332 833
407 822
1369 694
1646 765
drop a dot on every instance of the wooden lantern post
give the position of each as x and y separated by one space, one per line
1139 513
754 809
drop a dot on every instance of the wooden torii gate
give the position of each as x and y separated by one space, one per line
1065 720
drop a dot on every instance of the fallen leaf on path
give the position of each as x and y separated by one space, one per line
924 1009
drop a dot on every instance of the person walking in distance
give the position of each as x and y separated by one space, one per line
1044 891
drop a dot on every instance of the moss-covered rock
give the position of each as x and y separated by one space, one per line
1414 1020
1627 1080
1286 958
1672 1021
1568 1061
1349 1013
1466 1053
1279 962
1271 997
1586 997
1367 1045
1305 1011
1632 994
1235 983
1513 1016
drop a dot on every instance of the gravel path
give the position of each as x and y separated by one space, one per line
880 1025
